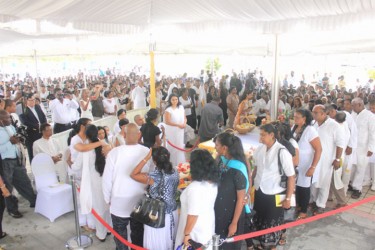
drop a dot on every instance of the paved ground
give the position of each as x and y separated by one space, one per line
350 230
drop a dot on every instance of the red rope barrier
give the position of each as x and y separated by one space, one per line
184 150
299 222
100 219
119 237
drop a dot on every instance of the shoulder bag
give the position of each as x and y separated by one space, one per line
150 211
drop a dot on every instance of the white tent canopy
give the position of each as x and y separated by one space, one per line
185 26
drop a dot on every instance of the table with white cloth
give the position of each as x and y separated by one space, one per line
249 141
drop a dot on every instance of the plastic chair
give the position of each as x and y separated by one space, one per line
53 199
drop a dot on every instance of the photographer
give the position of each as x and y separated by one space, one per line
32 118
13 167
61 109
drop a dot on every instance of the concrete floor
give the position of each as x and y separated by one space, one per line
352 230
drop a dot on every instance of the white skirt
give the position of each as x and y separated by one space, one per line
161 238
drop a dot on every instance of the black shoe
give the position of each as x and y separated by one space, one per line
350 188
356 194
16 214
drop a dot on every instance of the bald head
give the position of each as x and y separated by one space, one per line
4 118
358 105
319 113
132 134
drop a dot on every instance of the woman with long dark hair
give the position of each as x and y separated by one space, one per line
233 186
310 147
232 105
245 106
175 120
166 179
79 144
91 196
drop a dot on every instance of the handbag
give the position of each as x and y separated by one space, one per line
151 211
290 214
283 177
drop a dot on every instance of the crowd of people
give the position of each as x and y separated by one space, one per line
322 143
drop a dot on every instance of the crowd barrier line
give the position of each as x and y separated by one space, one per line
252 234
184 150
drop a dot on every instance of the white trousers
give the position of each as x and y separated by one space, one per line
319 195
359 169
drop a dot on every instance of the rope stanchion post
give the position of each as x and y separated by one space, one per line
79 241
215 242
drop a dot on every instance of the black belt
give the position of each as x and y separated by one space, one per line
9 159
65 125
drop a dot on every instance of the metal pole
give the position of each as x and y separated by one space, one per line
275 82
80 241
215 242
36 71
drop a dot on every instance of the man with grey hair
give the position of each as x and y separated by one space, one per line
365 121
332 139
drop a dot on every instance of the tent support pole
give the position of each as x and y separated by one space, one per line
152 78
275 82
36 71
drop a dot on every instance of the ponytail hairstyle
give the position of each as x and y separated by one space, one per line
234 145
92 135
161 156
151 115
81 122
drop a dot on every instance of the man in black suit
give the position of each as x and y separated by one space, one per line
32 118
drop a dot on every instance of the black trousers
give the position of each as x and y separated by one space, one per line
15 176
57 128
2 208
136 231
303 198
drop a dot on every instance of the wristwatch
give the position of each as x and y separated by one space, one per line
337 159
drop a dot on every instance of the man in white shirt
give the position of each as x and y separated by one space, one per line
139 95
349 156
61 111
365 121
122 192
49 145
332 138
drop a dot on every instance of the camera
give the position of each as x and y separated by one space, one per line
21 133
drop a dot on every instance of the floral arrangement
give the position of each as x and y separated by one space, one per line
184 174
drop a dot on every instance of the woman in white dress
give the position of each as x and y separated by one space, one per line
310 150
91 196
197 215
85 104
109 103
119 139
175 121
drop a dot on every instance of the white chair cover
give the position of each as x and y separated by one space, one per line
53 199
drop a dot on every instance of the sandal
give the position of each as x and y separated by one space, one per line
3 235
282 242
301 216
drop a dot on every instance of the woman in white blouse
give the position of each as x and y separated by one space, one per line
197 216
85 104
310 150
267 185
109 103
